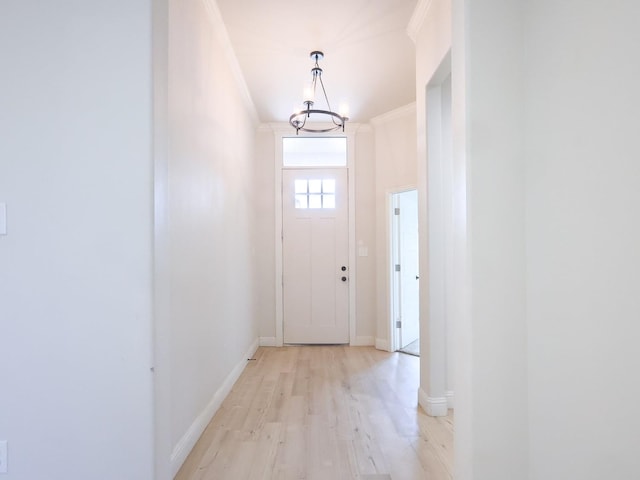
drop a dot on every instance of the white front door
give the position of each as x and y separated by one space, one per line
315 256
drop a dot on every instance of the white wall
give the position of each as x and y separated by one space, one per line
454 209
431 30
489 322
365 236
395 170
495 173
264 174
583 233
544 117
441 286
207 255
75 267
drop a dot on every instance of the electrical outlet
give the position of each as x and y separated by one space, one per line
3 456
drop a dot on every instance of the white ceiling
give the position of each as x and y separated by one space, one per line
369 58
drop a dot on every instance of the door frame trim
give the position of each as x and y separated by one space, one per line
280 131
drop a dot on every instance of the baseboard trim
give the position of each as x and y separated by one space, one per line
267 341
449 397
383 344
433 406
363 342
189 439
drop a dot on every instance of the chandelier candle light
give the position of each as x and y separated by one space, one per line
298 119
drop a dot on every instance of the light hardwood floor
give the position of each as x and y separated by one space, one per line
324 412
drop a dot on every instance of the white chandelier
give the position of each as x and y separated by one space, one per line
298 119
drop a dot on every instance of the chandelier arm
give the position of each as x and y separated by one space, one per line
326 99
301 124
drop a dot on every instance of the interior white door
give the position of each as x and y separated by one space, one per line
409 273
315 256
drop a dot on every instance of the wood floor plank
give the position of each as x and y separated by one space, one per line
438 432
324 412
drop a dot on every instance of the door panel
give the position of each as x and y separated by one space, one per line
315 248
409 276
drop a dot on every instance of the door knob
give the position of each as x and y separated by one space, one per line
344 279
344 269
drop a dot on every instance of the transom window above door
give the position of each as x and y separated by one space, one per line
315 193
314 151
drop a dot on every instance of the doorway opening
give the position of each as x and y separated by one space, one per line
405 275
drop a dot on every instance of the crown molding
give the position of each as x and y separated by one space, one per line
221 33
405 111
417 19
